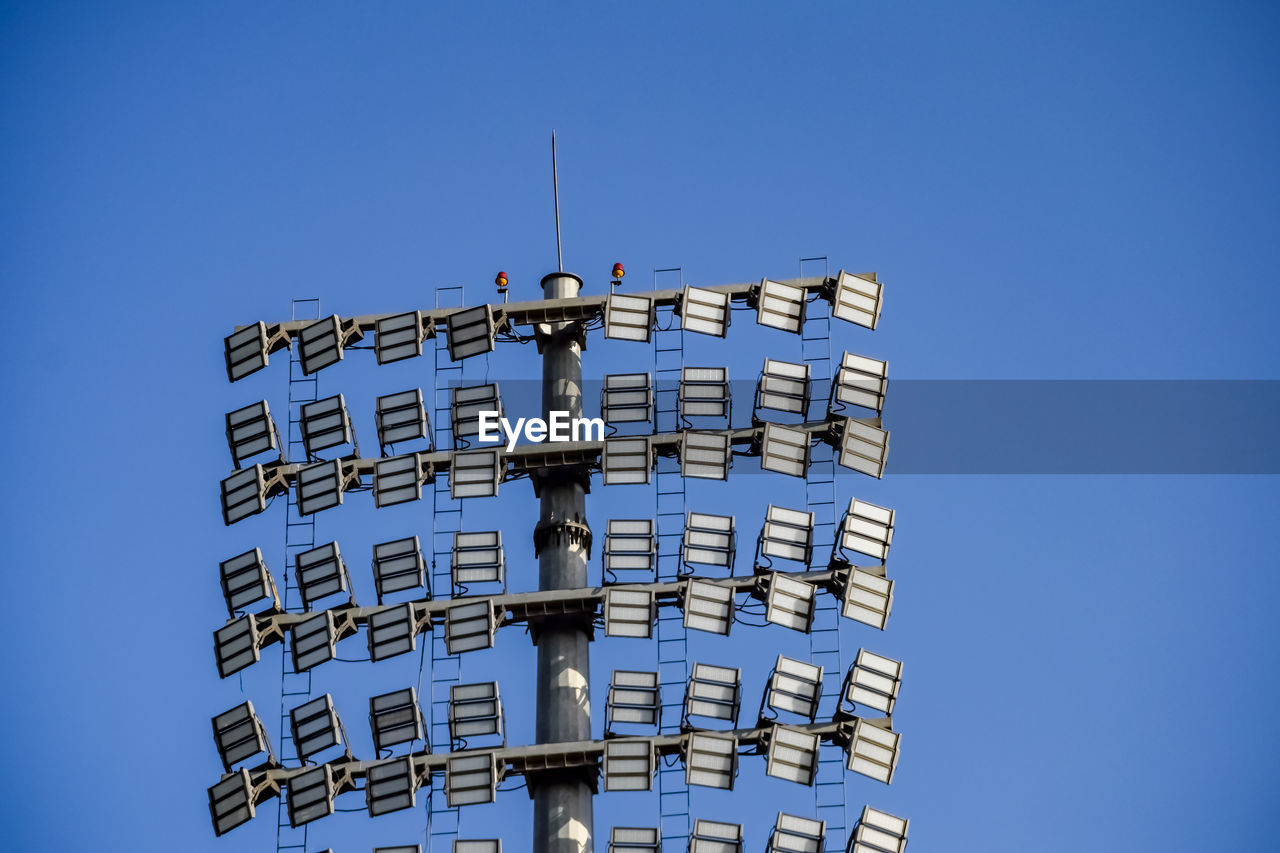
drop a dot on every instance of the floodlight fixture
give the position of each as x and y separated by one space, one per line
475 710
790 602
477 558
860 381
246 581
390 786
857 299
635 839
628 318
787 535
708 606
704 392
627 398
626 461
320 344
402 417
792 754
471 779
629 612
398 479
320 573
469 626
711 759
879 832
475 474
395 718
235 645
783 387
706 455
709 540
873 751
466 405
239 735
629 546
712 836
780 306
866 529
326 423
314 641
868 598
792 834
392 631
399 337
714 692
863 448
231 802
629 765
477 845
398 565
320 486
704 311
784 450
874 682
251 431
248 350
311 795
634 698
470 332
245 492
794 687
315 727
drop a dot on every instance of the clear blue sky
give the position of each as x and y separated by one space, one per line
1050 190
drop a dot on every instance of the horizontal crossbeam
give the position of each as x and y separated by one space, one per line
534 312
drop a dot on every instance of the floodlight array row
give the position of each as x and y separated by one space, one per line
875 832
634 699
627 610
630 549
703 392
471 777
473 331
861 446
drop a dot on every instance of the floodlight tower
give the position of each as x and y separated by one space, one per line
563 766
562 813
684 579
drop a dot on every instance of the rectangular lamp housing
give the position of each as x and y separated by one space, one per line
634 698
780 306
783 387
398 337
628 318
627 398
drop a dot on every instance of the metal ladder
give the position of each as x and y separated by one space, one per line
299 535
820 499
672 646
443 822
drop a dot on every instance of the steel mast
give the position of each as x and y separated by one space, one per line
562 810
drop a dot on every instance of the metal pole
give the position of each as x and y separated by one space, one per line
562 807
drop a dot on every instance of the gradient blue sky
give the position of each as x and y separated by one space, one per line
1050 191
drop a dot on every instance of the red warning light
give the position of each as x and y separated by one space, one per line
501 281
618 271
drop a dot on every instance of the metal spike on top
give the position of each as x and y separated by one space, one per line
555 190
